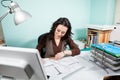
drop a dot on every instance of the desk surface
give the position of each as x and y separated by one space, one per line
90 70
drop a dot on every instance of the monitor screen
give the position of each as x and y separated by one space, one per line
21 64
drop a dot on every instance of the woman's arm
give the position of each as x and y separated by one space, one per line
74 50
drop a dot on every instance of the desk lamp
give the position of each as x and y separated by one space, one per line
19 14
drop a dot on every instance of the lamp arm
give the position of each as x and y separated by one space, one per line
4 15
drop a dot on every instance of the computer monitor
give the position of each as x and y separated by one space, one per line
21 64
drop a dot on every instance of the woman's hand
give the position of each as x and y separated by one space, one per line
62 54
59 55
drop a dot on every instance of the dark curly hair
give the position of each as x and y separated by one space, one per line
62 21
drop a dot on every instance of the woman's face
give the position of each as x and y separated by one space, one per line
60 31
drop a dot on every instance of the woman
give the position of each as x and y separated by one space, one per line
57 39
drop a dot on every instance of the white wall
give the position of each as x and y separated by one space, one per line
115 34
117 13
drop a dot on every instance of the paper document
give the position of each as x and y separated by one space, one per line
64 65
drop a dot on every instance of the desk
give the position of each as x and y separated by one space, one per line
90 70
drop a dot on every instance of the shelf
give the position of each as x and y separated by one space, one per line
97 36
2 43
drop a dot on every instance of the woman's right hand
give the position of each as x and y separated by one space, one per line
59 55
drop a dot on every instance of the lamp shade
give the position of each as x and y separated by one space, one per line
20 16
